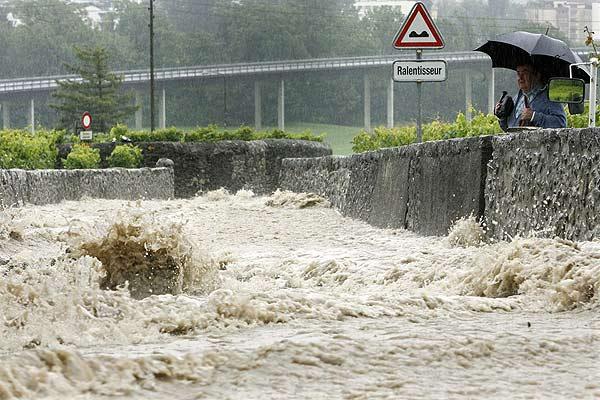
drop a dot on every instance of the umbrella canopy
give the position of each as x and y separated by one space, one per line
550 56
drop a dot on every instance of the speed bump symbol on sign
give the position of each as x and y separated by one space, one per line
418 31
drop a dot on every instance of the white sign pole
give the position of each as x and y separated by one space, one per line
593 91
419 106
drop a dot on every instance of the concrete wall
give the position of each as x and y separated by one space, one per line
545 181
234 165
18 187
422 187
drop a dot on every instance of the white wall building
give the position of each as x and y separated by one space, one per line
404 5
570 17
596 20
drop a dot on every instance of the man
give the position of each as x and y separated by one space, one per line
532 106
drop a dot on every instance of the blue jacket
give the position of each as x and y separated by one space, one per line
547 114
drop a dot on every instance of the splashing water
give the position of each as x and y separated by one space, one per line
466 232
237 296
151 258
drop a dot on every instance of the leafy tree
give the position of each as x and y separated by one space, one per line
382 23
44 36
97 92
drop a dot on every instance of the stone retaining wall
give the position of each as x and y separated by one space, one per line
545 182
19 187
422 187
234 165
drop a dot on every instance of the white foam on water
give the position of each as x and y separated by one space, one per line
150 256
296 200
287 302
466 232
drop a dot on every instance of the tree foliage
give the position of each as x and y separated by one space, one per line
232 31
96 90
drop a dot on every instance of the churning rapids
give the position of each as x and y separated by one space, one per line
243 297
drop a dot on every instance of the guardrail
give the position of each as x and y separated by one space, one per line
132 77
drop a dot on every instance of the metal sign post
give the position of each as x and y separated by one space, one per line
591 68
419 105
593 92
417 32
419 71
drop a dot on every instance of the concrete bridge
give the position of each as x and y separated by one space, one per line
279 70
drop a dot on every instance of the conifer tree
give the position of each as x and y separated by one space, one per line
97 90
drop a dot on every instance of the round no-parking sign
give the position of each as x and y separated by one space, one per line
86 120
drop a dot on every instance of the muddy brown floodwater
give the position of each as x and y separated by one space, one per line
243 297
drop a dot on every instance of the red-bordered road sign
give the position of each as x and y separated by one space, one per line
418 31
86 120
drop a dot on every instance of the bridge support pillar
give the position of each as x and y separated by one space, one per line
139 113
6 115
31 116
162 112
367 103
257 106
468 95
491 94
281 106
390 104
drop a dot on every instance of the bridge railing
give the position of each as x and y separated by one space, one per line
138 76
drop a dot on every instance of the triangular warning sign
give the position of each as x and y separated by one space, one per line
418 31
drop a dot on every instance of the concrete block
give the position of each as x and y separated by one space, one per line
391 185
19 187
446 182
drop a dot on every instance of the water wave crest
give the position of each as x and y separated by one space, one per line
151 257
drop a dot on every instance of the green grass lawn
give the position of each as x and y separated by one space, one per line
339 137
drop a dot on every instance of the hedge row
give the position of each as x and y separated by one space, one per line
381 137
480 124
211 133
22 149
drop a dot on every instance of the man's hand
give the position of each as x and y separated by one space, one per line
497 108
526 115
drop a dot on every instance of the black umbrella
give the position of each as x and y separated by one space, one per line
550 56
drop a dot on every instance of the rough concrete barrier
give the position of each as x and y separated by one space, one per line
546 182
19 187
423 187
234 165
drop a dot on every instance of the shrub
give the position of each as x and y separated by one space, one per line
82 156
119 130
581 120
210 133
139 136
168 135
480 124
21 149
276 134
306 135
204 134
125 156
244 133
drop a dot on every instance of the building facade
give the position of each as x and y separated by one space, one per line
569 17
405 6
